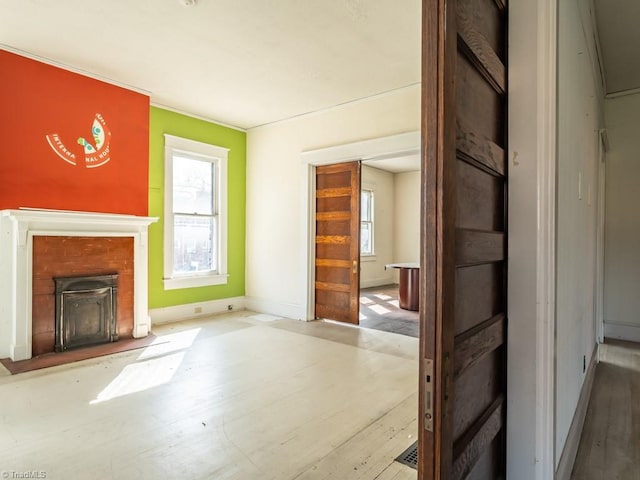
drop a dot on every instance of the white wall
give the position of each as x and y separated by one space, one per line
579 113
276 250
622 223
372 272
406 227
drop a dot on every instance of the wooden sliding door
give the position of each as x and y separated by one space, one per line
337 285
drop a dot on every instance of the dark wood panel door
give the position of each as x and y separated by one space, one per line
337 269
463 257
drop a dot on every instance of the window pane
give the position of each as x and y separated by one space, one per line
365 205
365 239
192 186
193 246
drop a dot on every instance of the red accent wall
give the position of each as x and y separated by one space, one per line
69 256
38 100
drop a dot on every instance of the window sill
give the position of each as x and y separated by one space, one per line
368 258
195 281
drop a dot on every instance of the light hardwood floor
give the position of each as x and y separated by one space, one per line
610 443
240 396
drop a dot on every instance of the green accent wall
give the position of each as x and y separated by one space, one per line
164 121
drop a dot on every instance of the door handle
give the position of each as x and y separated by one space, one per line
354 268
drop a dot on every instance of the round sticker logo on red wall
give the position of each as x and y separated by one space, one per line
96 154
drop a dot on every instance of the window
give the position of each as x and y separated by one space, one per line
366 222
195 220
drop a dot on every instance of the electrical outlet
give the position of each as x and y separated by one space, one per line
197 310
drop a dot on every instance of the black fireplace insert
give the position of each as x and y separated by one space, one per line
85 311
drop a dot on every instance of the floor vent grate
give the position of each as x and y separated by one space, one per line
410 456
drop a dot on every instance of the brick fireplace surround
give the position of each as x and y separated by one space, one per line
36 245
76 256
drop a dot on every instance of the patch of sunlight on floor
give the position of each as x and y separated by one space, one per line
379 309
342 324
365 300
362 316
395 303
382 296
170 343
141 376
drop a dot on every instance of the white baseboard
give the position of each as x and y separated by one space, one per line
193 310
570 449
630 333
287 310
376 282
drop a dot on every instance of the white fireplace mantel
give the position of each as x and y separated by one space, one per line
17 229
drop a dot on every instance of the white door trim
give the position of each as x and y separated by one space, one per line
532 235
599 294
547 233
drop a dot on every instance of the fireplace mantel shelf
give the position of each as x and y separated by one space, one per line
76 222
17 229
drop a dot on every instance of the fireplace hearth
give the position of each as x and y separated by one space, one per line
86 311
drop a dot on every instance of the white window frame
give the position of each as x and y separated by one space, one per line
218 156
370 221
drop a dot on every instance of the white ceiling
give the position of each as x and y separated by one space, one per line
619 33
251 62
240 62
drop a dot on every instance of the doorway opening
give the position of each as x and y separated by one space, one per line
388 221
390 237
